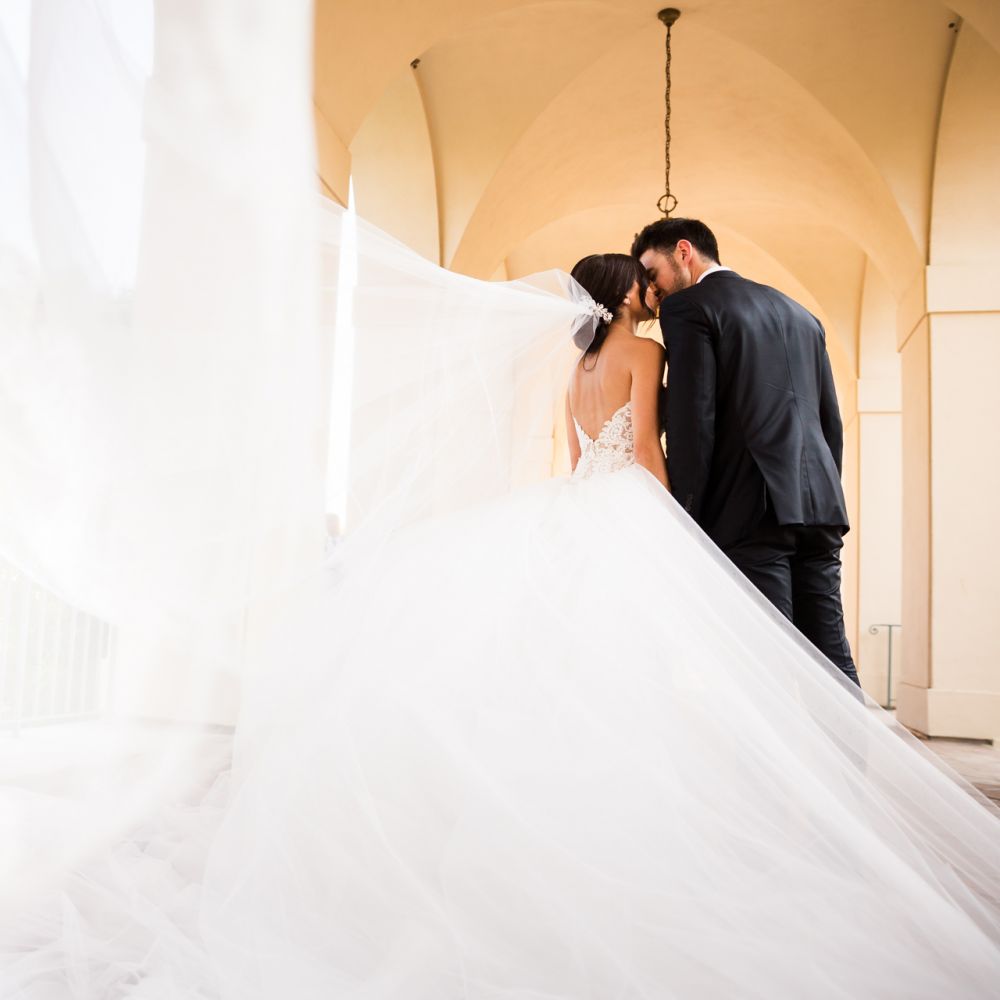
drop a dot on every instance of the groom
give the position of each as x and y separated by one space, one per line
754 436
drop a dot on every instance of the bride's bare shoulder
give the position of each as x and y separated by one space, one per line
644 352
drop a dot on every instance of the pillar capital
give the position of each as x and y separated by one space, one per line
947 288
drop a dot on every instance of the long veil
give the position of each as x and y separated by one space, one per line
171 289
229 412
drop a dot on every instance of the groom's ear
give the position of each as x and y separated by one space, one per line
686 249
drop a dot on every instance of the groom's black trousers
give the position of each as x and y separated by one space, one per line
797 569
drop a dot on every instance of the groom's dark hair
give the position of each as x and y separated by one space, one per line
664 235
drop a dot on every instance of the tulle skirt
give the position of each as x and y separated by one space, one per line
554 746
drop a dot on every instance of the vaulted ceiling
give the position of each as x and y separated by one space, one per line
531 133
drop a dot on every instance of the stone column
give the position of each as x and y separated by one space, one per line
878 523
950 346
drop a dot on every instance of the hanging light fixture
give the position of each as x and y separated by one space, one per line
667 202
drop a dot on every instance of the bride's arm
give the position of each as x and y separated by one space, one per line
571 437
647 378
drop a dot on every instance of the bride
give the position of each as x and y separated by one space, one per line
631 370
520 737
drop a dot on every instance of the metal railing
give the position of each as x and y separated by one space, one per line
56 661
874 630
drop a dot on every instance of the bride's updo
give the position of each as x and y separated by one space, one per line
607 278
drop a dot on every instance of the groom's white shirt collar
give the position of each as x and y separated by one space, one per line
711 270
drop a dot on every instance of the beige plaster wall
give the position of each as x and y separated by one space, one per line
917 526
951 454
395 183
880 541
965 226
880 503
850 554
965 547
951 682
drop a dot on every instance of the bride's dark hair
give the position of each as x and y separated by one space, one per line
607 278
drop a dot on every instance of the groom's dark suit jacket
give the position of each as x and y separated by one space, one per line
750 409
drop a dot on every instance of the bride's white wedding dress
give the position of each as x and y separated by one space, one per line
560 748
611 450
550 746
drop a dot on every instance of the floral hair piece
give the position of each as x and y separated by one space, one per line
596 309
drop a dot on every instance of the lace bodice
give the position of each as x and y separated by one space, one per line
613 449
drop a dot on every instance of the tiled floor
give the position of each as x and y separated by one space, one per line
978 763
